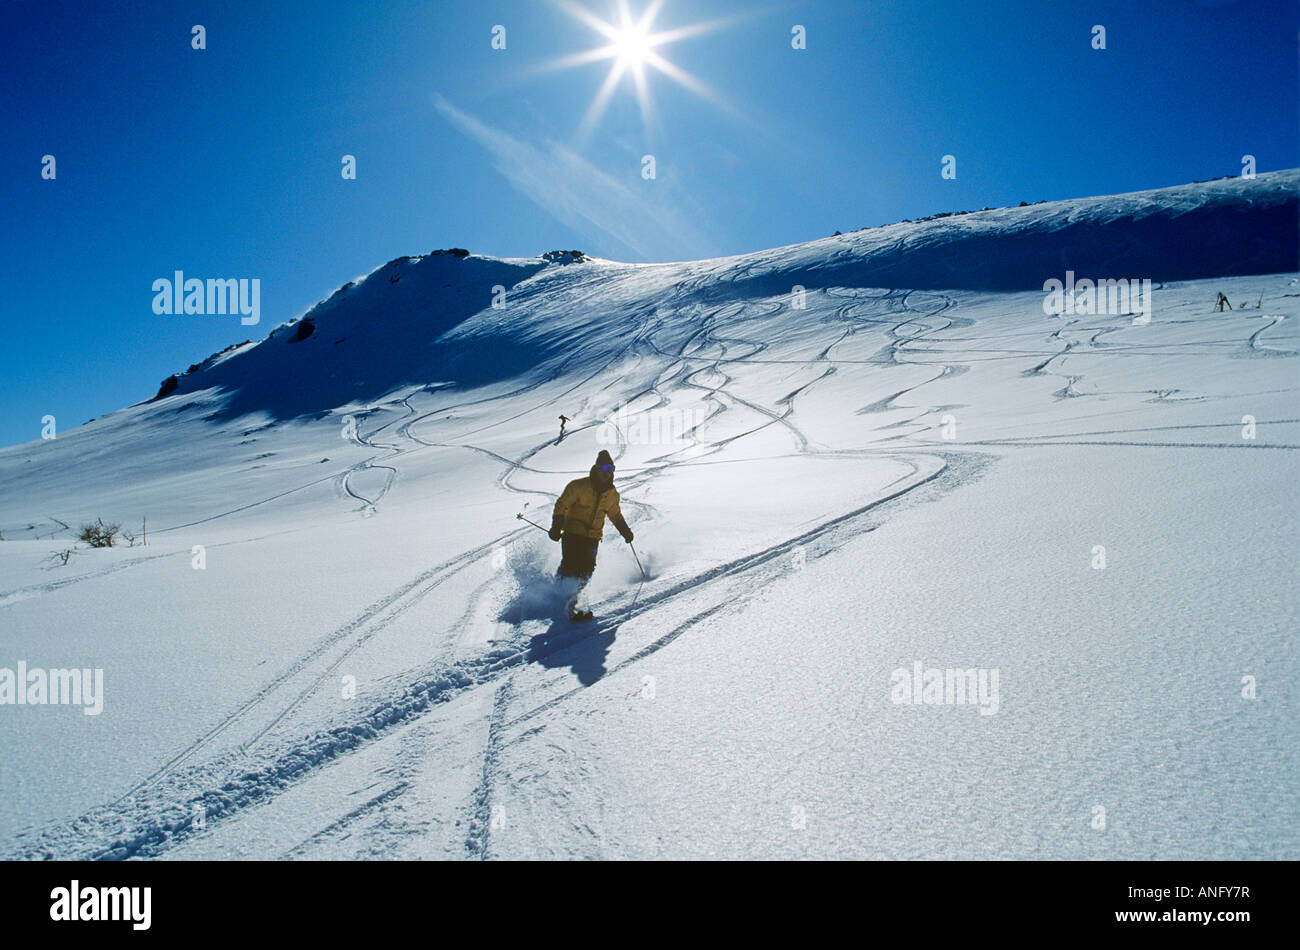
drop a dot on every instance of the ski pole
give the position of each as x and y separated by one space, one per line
533 523
638 561
637 596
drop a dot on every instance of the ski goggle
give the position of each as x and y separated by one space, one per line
605 468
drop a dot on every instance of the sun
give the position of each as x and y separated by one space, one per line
632 46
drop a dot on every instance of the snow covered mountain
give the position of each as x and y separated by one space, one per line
848 463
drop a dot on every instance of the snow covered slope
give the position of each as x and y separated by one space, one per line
841 459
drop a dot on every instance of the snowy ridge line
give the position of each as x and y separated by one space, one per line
157 832
1005 249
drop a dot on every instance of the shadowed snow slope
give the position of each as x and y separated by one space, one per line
393 328
841 459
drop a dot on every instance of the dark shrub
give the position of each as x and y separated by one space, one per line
99 535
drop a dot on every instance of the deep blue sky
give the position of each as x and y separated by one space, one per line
226 162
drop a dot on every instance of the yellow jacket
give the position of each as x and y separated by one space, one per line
580 511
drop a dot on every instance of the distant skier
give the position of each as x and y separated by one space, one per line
579 521
563 421
1220 302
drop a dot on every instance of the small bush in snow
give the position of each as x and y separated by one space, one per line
99 535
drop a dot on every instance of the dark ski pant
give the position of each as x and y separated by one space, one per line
578 560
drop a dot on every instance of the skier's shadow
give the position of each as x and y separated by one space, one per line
582 647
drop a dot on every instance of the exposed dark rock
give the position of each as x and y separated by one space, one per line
169 386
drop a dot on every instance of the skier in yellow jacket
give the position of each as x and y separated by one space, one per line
579 521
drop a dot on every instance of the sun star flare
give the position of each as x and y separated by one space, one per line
631 46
